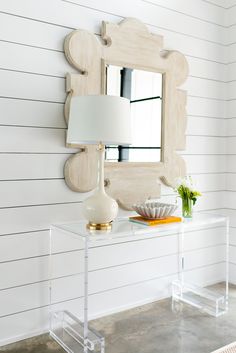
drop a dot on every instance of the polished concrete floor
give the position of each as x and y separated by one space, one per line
152 328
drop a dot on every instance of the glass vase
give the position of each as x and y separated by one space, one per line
187 208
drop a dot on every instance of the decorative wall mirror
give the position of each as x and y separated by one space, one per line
126 55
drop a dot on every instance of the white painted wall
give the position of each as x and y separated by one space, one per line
32 134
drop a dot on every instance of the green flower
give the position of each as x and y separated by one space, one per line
186 190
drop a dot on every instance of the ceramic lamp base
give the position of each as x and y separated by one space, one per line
99 226
100 209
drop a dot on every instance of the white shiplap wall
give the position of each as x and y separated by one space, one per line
230 194
32 134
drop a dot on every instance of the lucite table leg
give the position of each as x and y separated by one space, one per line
50 278
86 295
227 265
181 254
178 289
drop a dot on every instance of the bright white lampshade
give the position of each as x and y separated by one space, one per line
95 119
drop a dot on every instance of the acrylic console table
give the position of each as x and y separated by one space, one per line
70 328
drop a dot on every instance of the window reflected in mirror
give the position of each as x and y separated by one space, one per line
144 90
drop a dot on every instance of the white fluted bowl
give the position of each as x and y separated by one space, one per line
154 210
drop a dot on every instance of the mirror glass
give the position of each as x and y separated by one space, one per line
144 90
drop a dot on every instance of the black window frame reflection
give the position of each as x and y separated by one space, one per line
125 91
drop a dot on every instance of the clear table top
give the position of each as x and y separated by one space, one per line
123 228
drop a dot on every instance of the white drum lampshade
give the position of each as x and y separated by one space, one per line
99 120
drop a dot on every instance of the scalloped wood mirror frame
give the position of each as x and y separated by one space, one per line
127 44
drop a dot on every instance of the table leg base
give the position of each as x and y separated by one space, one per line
206 300
68 331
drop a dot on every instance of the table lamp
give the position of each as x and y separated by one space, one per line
100 120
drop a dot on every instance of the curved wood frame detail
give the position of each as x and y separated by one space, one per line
127 44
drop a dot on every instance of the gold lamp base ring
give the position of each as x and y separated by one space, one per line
99 226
